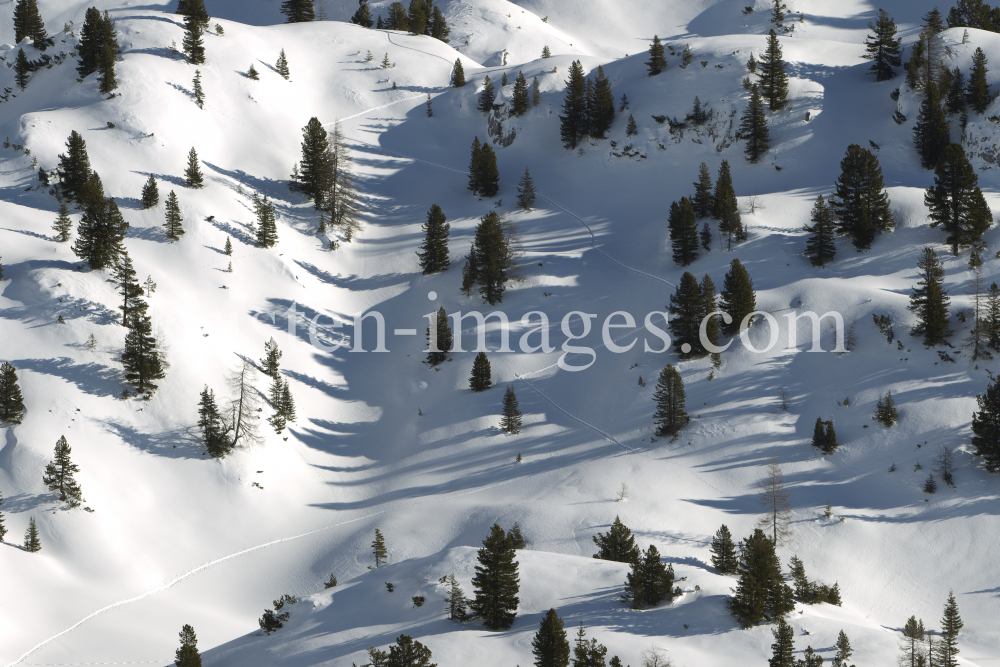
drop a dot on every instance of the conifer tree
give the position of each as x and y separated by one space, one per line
496 581
409 653
28 22
820 248
173 220
844 650
883 48
550 645
824 436
91 40
737 298
958 96
773 79
860 203
911 645
631 129
617 545
979 87
315 165
917 63
712 321
573 122
267 229
753 128
199 93
59 475
946 652
282 65
687 305
11 401
727 210
536 93
102 228
63 225
588 653
433 253
3 528
378 549
475 168
298 11
546 52
124 278
481 378
22 70
526 192
491 258
489 174
141 356
774 498
929 300
271 363
782 650
487 96
932 131
439 346
438 25
195 8
723 551
650 582
510 420
340 196
456 600
212 425
385 64
657 60
252 73
107 81
32 543
706 236
74 166
670 416
187 655
683 225
986 427
955 202
761 594
516 538
286 403
520 103
193 177
362 17
601 113
703 201
458 74
193 44
150 193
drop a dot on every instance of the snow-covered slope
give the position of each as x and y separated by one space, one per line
381 440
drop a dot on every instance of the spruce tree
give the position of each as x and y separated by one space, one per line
271 363
516 538
773 79
362 17
481 378
91 39
727 210
22 70
106 80
267 229
550 645
783 648
286 403
753 128
193 44
487 96
458 74
193 177
820 248
917 63
687 306
74 166
433 253
438 25
489 174
28 22
59 475
298 11
860 203
63 225
520 103
195 8
929 300
844 650
187 655
649 582
441 344
315 166
102 228
958 96
212 426
150 193
141 356
282 65
723 551
455 601
883 48
631 129
573 122
657 59
670 416
124 278
173 218
706 236
496 581
761 594
601 113
932 131
912 644
986 427
617 545
252 73
683 225
955 202
738 298
491 258
546 52
712 323
703 201
11 401
32 543
979 87
379 551
475 169
526 192
510 420
199 93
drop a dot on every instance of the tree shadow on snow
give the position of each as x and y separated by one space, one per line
179 443
90 378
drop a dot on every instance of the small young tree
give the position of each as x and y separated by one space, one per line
774 498
59 475
723 551
631 129
496 582
282 65
455 601
252 73
885 410
510 421
193 177
187 655
150 193
536 93
481 378
32 543
820 248
550 645
458 74
173 218
488 95
946 651
783 648
617 545
657 58
378 549
63 225
11 401
526 192
650 582
587 653
670 416
199 93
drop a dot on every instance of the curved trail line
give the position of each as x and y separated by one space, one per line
558 407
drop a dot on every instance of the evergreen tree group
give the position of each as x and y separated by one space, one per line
102 228
28 23
956 202
649 582
213 426
824 437
433 252
761 594
484 177
690 305
930 300
11 401
363 16
299 11
811 592
683 226
97 40
60 475
860 202
883 48
588 108
496 581
670 416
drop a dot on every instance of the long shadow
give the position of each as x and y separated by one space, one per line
235 232
158 51
90 378
178 443
273 189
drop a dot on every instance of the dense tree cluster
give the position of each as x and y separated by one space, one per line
588 107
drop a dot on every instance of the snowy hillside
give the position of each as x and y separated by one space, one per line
384 441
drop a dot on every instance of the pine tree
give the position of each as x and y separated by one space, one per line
631 129
657 60
267 229
510 420
438 25
860 203
187 655
11 401
314 171
199 93
456 600
212 425
489 174
670 416
433 253
573 124
491 258
59 475
252 73
844 650
487 96
601 113
102 228
475 168
703 201
90 42
481 378
911 645
282 65
417 17
536 93
761 594
107 81
820 248
193 44
286 403
929 300
150 193
385 64
520 103
617 545
362 17
727 210
546 52
979 87
932 131
28 22
883 48
141 356
458 74
526 192
193 177
124 278
22 69
173 220
723 551
588 653
753 128
550 645
706 236
687 306
378 549
683 224
986 427
737 298
778 13
3 528
439 346
74 166
298 11
195 8
773 79
409 653
63 225
917 63
32 543
956 202
782 650
496 581
649 582
958 99
946 651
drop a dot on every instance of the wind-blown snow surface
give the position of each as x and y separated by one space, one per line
176 538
